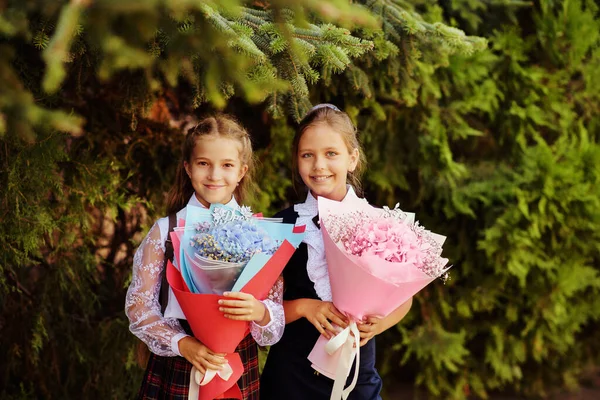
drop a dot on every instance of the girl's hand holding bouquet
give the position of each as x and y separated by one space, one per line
243 307
323 315
368 329
201 356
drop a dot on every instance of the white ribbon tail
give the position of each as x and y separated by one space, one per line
194 391
356 348
337 341
198 379
350 347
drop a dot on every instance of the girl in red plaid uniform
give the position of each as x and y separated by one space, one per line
216 167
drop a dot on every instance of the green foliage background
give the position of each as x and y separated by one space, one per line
494 145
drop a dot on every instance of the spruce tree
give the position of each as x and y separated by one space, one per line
494 145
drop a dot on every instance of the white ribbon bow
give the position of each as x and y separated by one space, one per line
350 346
198 379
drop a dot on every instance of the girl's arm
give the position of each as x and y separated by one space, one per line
375 325
294 309
270 328
146 321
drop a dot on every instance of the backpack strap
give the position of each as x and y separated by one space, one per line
164 285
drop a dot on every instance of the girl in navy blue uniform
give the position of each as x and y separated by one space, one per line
328 160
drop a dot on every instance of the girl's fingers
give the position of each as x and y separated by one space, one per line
233 303
338 314
199 367
364 335
333 309
367 328
235 311
212 353
214 360
238 295
321 330
246 317
338 321
326 325
209 365
373 320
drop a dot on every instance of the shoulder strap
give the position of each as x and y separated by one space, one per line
289 215
164 285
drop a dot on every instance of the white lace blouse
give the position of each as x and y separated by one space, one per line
162 333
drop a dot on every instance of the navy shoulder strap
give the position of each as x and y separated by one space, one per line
289 215
164 285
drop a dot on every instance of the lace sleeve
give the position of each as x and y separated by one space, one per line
272 332
142 307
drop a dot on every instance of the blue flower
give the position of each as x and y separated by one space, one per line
234 241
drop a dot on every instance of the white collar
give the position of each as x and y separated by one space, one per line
195 202
311 205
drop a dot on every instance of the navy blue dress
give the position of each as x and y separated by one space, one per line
287 372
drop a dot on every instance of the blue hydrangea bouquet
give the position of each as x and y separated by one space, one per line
218 244
225 249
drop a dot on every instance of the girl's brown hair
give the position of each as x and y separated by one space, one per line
340 122
220 125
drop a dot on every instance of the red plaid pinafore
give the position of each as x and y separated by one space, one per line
168 378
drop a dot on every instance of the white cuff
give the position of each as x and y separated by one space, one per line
266 303
175 342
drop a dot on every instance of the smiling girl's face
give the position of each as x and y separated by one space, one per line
215 168
324 161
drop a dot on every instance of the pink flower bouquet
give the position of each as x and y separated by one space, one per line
377 260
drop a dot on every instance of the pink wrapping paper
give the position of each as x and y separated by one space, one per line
358 293
361 286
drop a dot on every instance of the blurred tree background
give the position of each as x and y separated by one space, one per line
482 116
